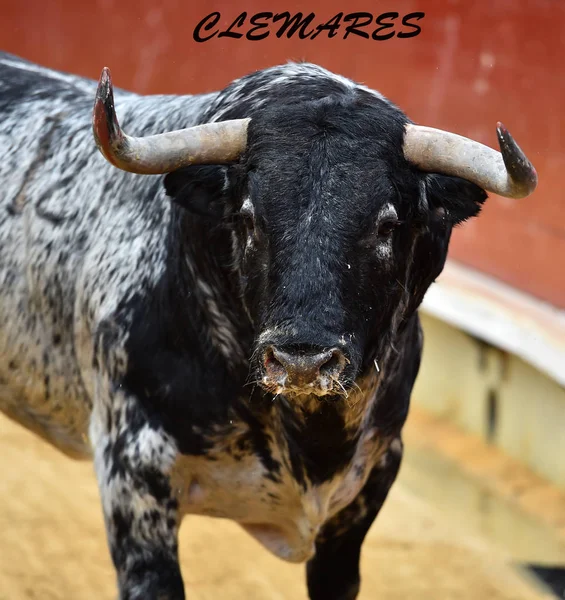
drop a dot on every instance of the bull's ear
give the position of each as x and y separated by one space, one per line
200 189
453 199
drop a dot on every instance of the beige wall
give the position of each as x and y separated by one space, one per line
494 395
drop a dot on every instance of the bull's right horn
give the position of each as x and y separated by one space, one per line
212 143
507 173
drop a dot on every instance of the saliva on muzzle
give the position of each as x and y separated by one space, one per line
300 370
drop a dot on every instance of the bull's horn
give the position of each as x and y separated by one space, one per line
212 143
507 173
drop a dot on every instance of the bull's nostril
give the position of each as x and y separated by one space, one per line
334 365
274 369
268 357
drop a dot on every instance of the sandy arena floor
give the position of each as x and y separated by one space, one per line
52 544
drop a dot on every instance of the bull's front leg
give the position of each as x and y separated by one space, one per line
133 457
333 572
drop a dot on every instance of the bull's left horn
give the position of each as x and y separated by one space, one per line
212 143
507 173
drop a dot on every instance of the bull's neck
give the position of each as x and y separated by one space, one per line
202 278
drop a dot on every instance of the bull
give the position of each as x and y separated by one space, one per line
240 337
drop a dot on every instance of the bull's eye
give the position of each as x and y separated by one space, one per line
387 227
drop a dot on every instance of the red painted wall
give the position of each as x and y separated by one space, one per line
473 63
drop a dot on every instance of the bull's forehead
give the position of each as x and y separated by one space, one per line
328 158
316 192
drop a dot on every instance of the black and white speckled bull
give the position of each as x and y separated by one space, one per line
240 338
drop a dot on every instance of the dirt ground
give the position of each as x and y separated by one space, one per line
52 544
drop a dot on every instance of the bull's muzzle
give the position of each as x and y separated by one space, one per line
299 372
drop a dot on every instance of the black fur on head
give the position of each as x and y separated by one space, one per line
336 237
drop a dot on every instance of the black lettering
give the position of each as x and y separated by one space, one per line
239 21
405 22
331 27
356 18
215 16
253 21
297 23
380 18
